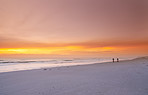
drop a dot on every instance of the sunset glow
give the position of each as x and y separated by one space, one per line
74 27
55 50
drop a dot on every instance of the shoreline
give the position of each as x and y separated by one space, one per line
49 66
66 66
29 64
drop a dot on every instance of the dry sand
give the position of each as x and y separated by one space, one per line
122 78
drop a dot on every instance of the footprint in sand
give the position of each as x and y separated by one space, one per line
100 93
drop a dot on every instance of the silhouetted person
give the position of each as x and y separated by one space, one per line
113 60
117 59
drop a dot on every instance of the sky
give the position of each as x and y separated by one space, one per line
74 28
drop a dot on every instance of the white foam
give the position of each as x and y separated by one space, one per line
28 64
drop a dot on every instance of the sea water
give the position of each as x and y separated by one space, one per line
9 65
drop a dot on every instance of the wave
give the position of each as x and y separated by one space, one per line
8 65
5 61
44 61
54 61
50 61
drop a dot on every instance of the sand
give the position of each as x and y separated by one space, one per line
122 78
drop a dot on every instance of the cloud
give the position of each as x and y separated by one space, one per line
7 42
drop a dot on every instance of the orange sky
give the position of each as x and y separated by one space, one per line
77 28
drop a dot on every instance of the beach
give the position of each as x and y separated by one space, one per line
118 78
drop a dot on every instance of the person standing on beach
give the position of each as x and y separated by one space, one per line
113 60
117 59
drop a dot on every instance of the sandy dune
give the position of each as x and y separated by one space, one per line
122 78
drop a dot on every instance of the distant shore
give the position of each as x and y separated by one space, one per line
119 78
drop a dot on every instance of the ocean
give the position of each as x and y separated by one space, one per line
9 65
